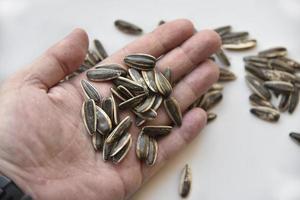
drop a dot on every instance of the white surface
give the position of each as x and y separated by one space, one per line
237 156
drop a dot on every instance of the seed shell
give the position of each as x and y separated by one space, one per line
185 182
118 146
129 84
223 30
90 91
101 52
112 67
122 127
157 102
142 146
226 75
222 57
295 136
146 105
280 65
148 115
125 92
140 61
98 141
156 131
122 154
104 124
117 94
294 101
173 110
280 86
265 113
210 99
240 45
108 107
234 37
211 117
290 62
127 27
133 102
257 86
136 76
273 52
284 102
89 116
162 84
102 74
152 152
149 77
258 101
168 74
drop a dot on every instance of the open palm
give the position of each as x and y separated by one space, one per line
44 147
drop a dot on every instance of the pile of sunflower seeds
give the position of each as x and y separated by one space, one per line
141 89
272 73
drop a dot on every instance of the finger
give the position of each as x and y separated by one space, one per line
186 57
190 88
193 122
59 61
158 42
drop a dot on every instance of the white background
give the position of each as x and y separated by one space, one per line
237 156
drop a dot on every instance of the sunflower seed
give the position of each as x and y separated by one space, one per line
273 52
90 92
102 74
168 74
258 101
100 49
280 65
157 102
223 30
162 84
256 60
173 110
122 127
222 57
118 146
117 94
211 99
257 86
129 84
90 58
82 68
98 141
133 102
89 116
295 136
149 77
104 124
146 105
290 62
108 107
125 92
136 76
115 116
123 152
148 115
140 61
142 146
294 100
107 148
156 131
127 27
226 75
112 67
185 182
234 36
95 56
265 113
152 152
284 102
240 45
211 117
280 86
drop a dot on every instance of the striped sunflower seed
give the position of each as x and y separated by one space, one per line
185 182
211 117
280 86
265 113
290 62
113 67
223 30
258 101
139 121
108 107
136 76
157 102
168 74
226 75
117 94
273 52
142 146
149 77
152 152
104 124
140 61
156 131
284 102
148 115
89 116
129 84
125 92
146 105
280 65
211 99
101 52
294 101
119 130
173 110
102 74
162 84
234 36
98 141
127 27
295 136
222 57
90 92
118 146
240 45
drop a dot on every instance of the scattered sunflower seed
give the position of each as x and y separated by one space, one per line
185 182
127 27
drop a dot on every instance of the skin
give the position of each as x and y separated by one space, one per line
44 146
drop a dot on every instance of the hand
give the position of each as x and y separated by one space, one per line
44 146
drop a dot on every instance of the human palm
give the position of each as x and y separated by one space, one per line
44 146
